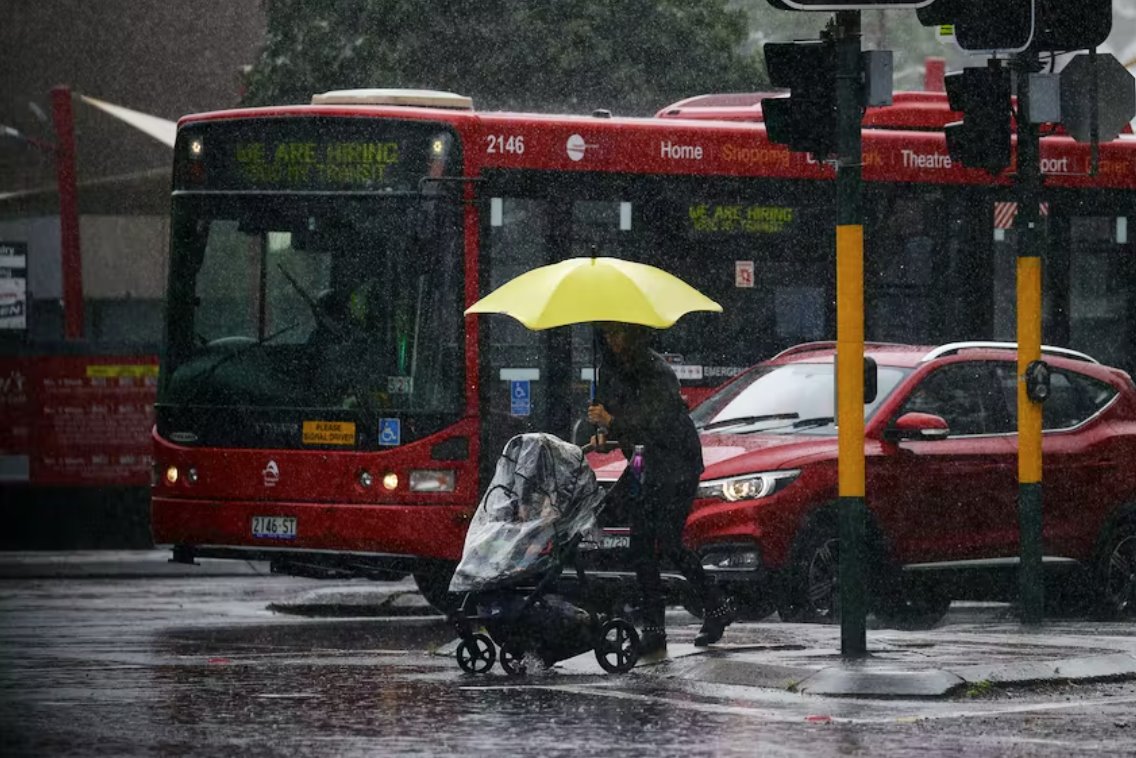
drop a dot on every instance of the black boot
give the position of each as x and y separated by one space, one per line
653 643
714 624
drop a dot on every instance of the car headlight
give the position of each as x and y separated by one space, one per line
738 559
748 487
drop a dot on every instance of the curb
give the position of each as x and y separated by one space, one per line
856 680
401 599
389 607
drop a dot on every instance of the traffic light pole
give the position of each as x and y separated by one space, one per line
1029 348
850 337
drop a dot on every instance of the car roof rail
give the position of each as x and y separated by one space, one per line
955 347
806 347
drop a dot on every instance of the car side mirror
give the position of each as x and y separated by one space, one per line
871 382
917 426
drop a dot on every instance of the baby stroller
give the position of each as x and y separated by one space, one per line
542 503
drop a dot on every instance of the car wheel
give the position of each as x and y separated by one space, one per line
1116 573
812 591
916 609
434 584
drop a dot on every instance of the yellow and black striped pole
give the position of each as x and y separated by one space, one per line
850 339
1030 579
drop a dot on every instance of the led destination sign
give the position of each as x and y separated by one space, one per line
313 154
745 219
304 163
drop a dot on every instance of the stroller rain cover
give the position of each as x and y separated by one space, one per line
542 491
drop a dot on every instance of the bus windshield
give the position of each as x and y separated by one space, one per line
287 301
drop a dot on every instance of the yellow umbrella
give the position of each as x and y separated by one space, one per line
580 290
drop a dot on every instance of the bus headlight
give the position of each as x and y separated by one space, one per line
172 475
432 481
390 482
747 487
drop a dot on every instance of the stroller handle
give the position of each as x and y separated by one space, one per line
605 446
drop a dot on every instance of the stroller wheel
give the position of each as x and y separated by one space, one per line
513 660
476 654
617 648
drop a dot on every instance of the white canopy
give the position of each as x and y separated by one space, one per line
163 130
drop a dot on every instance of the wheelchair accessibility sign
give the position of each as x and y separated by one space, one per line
390 432
520 397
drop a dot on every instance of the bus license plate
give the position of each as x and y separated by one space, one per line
275 527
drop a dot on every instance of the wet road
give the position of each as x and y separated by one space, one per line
198 667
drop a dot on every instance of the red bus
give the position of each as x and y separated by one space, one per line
324 405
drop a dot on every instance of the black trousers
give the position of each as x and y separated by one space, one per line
658 515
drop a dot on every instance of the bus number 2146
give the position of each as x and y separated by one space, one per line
500 143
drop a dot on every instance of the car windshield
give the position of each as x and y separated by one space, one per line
796 398
281 301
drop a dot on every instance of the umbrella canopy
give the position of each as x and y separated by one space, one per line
580 290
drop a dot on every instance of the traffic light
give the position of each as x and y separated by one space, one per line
805 120
1006 24
982 138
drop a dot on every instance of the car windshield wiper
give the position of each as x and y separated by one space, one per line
808 423
804 423
742 420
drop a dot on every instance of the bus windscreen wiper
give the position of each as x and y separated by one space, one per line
742 420
237 352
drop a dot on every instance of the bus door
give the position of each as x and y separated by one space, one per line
1090 276
928 267
517 369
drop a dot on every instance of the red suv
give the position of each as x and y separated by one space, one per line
941 458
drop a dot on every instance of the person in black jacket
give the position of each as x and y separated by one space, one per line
639 403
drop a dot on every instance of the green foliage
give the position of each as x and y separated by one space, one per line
981 688
631 56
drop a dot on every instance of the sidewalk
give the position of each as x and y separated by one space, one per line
977 650
949 659
110 564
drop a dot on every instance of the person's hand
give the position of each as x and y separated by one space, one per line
599 416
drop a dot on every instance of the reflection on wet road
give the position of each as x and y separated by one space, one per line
198 667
